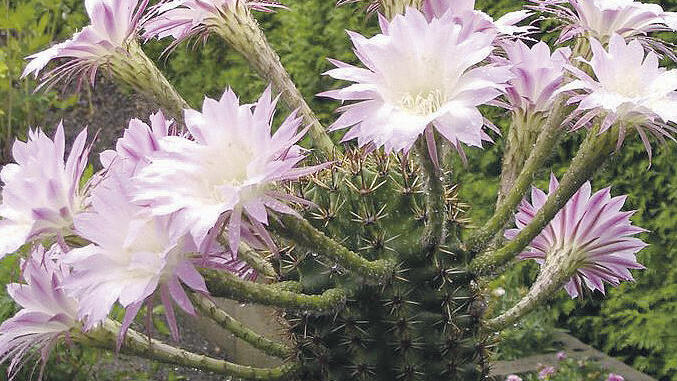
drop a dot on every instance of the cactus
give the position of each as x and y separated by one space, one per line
421 322
366 252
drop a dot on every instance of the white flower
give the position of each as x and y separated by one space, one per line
131 256
418 73
228 171
629 88
113 24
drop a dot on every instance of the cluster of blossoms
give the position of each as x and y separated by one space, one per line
170 202
546 372
147 222
117 24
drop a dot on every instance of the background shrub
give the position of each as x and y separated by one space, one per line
635 322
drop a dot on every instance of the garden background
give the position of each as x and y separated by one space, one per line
636 322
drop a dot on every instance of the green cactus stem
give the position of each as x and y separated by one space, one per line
239 330
435 231
141 345
241 31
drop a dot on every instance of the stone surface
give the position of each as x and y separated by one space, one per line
574 349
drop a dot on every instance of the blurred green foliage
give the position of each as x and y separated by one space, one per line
25 27
635 322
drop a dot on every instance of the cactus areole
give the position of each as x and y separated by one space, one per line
363 248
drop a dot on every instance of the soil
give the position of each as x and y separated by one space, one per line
105 110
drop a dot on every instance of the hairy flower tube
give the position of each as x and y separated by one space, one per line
113 25
46 314
182 19
629 88
601 19
41 193
590 238
228 172
418 73
464 12
537 75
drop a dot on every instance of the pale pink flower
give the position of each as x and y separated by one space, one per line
228 173
628 88
591 230
113 24
41 193
418 73
138 142
47 313
537 75
182 19
601 19
546 372
561 356
513 377
132 255
615 377
464 12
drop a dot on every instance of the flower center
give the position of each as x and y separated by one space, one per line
228 165
423 102
629 87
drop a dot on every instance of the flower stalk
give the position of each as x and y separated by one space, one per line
241 31
139 72
525 128
239 330
222 284
594 152
141 345
551 132
253 259
302 233
558 268
435 232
